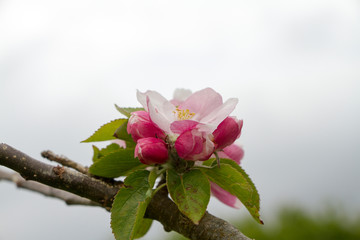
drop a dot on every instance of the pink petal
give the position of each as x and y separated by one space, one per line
120 142
208 148
224 196
182 126
186 143
202 102
194 145
233 152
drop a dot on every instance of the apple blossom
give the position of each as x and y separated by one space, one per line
141 126
151 150
204 107
194 117
194 124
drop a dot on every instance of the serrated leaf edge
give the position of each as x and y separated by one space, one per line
248 180
126 113
137 212
86 140
247 177
99 159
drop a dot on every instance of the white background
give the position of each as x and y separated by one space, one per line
293 65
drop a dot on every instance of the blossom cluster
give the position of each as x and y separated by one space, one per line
194 126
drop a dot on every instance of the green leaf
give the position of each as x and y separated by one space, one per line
116 164
209 162
121 133
232 178
190 191
128 110
152 177
129 206
96 153
143 228
104 151
106 132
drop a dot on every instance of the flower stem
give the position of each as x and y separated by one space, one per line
217 159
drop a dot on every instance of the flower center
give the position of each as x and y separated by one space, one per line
183 114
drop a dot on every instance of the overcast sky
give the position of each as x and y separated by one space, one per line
293 65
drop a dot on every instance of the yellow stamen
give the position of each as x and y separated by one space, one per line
184 114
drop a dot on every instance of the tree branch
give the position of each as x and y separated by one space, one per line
68 198
64 161
161 208
58 177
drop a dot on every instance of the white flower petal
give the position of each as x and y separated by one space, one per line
141 97
181 94
202 103
161 110
218 114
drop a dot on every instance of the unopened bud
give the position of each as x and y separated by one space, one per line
227 132
141 126
151 151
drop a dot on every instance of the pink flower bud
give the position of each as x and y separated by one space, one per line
227 132
194 145
151 150
141 126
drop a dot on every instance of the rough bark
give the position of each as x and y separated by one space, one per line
67 197
161 208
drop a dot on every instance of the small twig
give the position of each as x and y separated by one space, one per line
64 161
68 198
